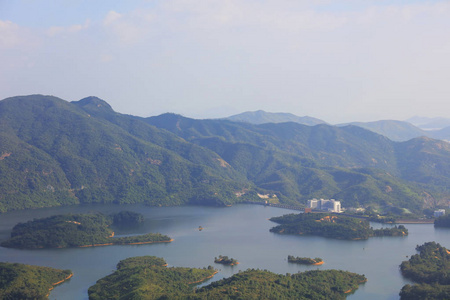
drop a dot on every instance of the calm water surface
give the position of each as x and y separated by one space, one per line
241 232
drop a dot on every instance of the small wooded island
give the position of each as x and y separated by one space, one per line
76 230
305 260
431 270
332 226
225 260
148 278
19 281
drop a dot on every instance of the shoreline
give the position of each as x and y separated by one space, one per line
204 279
123 244
308 264
413 221
95 245
59 282
351 290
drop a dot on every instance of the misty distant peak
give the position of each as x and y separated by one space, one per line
262 117
430 123
393 129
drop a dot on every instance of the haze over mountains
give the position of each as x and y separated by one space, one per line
261 117
438 128
429 123
54 152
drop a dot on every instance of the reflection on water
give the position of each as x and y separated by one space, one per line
241 232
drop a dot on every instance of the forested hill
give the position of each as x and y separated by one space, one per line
20 281
54 152
332 146
348 163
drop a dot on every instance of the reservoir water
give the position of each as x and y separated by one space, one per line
240 231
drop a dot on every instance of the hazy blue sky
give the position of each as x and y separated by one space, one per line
339 61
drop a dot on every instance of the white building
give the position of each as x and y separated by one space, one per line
438 213
328 205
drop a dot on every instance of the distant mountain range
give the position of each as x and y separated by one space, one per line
402 130
395 130
262 117
54 152
429 123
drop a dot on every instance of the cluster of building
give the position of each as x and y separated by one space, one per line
330 205
439 213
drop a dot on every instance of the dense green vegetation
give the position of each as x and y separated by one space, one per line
225 260
148 278
331 226
257 284
431 265
19 281
304 260
443 221
350 164
145 278
399 230
140 239
127 219
72 231
53 152
431 269
146 261
423 291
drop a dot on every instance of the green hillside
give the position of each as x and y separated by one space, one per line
54 152
300 162
19 281
257 284
147 277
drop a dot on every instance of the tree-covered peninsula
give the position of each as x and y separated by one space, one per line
332 226
258 284
148 278
19 281
73 230
430 268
